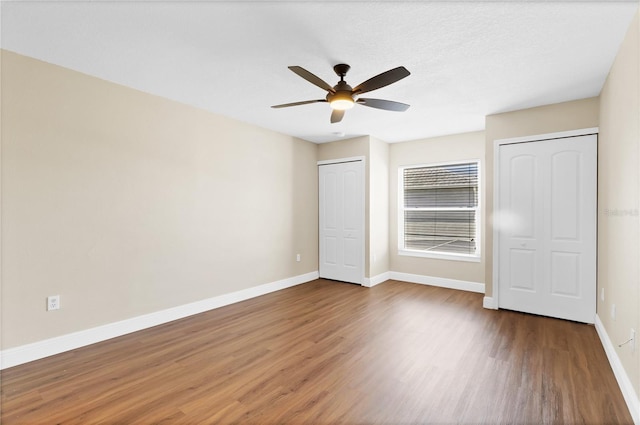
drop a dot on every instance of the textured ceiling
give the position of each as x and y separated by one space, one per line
467 60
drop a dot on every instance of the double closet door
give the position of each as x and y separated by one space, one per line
547 227
341 221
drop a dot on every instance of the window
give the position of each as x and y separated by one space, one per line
438 214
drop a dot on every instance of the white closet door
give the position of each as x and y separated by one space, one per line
341 220
547 217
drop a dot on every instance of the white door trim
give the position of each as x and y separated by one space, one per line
497 143
547 136
365 237
341 160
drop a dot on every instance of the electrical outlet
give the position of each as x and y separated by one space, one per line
602 294
298 257
53 302
613 311
632 337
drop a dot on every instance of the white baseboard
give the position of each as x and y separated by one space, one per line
628 392
376 280
438 281
490 303
38 350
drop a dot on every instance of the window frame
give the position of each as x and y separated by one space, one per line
477 256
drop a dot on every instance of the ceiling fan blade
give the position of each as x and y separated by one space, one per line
387 105
336 116
304 102
312 78
381 80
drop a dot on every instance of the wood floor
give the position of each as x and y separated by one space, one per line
330 353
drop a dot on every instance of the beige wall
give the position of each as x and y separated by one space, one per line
378 207
125 203
468 146
618 200
348 148
544 119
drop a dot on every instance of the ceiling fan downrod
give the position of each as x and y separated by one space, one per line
341 69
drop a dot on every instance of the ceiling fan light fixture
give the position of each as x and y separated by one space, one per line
342 104
341 101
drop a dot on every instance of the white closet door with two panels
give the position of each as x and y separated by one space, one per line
547 220
341 221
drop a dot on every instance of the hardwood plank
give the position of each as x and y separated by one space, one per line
325 353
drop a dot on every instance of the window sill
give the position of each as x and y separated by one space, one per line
439 255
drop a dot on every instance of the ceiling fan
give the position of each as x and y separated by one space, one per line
342 97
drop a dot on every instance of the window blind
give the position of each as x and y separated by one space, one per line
440 208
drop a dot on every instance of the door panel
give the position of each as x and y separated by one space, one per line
341 219
523 269
330 204
565 195
330 250
547 259
522 195
351 252
350 200
565 274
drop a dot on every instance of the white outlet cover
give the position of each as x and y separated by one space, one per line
53 302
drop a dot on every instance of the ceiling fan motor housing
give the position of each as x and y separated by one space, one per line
342 98
342 92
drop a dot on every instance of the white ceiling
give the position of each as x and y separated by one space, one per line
467 59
